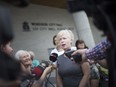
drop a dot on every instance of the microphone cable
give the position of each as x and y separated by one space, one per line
48 81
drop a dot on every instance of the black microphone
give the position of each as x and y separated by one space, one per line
68 53
77 57
53 57
45 64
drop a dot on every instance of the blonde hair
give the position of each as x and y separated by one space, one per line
69 33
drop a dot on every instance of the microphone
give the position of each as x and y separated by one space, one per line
68 53
53 57
45 64
38 70
77 57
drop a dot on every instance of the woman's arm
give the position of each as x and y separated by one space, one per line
86 74
103 63
59 80
39 83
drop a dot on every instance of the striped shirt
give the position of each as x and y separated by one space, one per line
99 51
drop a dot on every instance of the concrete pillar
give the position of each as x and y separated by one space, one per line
83 28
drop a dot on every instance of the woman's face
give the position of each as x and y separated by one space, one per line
81 45
8 49
65 42
25 58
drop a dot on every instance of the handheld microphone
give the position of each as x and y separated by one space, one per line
53 57
37 72
77 57
45 64
68 53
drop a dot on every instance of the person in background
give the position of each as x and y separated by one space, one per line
94 75
58 48
10 69
70 73
35 62
6 47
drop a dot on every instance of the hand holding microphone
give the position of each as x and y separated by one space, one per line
76 57
43 68
82 52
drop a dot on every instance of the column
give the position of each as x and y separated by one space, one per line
83 28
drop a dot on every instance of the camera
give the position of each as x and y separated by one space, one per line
77 57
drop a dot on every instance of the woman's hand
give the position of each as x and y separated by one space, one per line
48 69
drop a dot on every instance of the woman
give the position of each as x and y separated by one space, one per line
58 48
70 73
10 68
25 61
94 76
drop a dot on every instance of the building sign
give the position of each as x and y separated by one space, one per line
41 26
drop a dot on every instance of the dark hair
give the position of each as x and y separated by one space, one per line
10 69
6 32
80 42
54 39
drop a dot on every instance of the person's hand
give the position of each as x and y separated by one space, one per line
26 70
91 61
48 69
82 52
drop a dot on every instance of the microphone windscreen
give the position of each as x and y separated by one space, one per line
68 53
77 57
53 57
37 71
